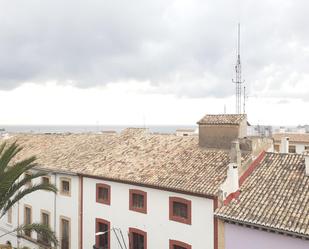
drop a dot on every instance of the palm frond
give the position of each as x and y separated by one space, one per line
8 154
22 193
13 186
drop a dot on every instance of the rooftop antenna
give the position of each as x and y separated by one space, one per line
238 81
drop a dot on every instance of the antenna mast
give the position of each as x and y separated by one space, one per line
238 81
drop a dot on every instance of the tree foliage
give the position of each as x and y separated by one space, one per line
14 186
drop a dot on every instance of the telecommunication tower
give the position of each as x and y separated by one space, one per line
238 81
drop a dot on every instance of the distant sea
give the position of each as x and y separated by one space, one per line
86 128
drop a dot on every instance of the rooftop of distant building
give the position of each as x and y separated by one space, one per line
224 119
293 137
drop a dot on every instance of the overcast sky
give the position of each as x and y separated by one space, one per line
154 62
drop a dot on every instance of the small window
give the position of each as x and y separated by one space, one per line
103 193
307 148
138 201
27 219
180 210
65 188
138 239
45 221
292 149
9 216
45 179
28 183
175 244
277 148
65 232
102 234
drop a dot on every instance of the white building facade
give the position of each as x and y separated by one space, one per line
60 211
82 213
154 222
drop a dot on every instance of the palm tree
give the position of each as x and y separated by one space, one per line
14 186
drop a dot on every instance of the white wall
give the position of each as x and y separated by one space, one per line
156 222
7 227
299 147
65 206
237 237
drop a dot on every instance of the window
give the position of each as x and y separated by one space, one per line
174 244
102 240
307 148
65 231
45 179
180 210
277 148
65 187
9 216
27 218
103 193
138 201
28 183
45 221
292 149
138 239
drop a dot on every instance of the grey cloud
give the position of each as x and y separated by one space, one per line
181 47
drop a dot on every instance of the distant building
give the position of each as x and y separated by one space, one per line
296 142
186 132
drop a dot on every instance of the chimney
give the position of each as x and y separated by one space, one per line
306 156
218 131
284 147
231 183
235 154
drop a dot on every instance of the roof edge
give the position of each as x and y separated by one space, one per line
247 223
180 191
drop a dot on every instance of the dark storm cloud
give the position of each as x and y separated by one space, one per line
181 47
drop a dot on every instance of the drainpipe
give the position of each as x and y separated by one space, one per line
18 224
55 205
80 207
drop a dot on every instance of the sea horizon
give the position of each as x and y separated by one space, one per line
89 128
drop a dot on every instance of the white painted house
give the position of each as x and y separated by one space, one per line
134 189
296 142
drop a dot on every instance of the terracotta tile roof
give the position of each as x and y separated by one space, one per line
226 119
293 137
275 196
134 156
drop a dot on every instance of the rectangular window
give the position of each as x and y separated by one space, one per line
138 201
138 239
27 218
180 210
45 221
9 216
292 149
103 193
175 244
307 148
277 148
65 186
65 231
45 179
102 234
